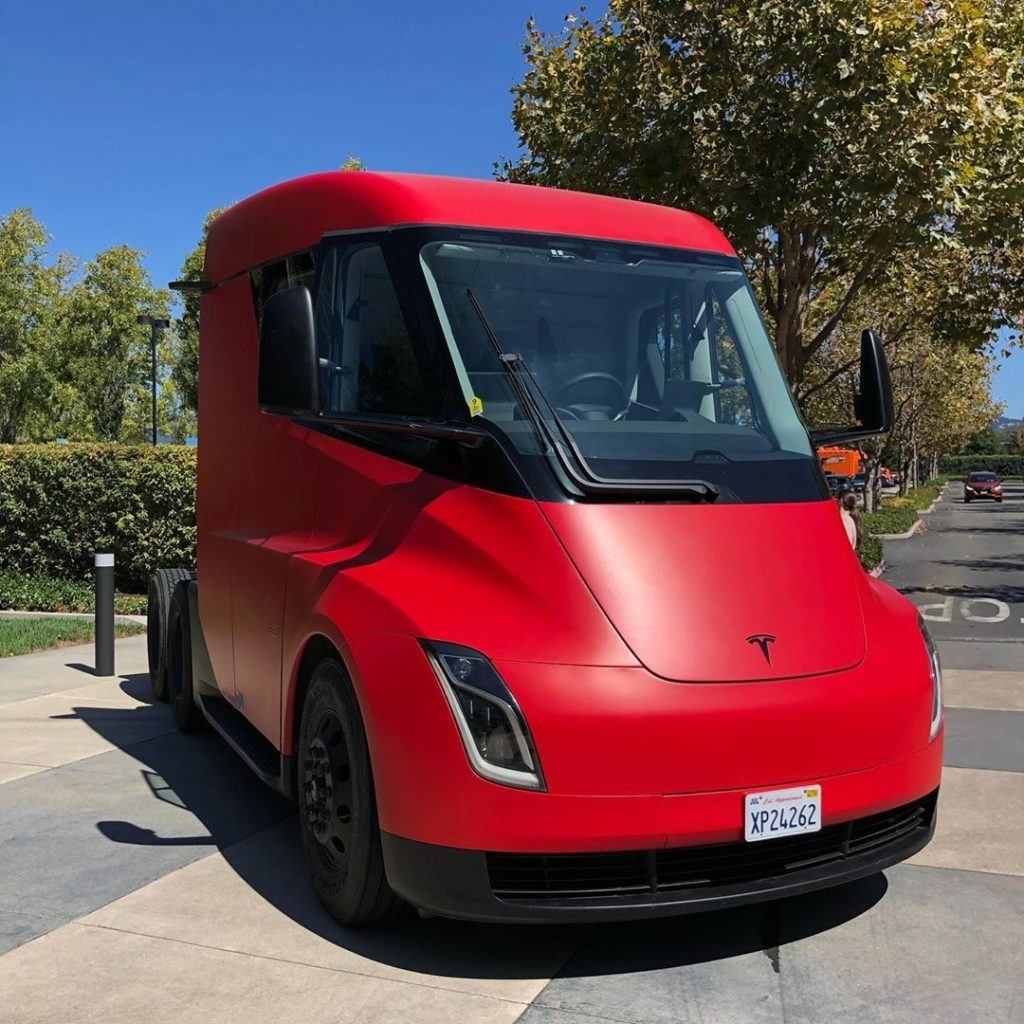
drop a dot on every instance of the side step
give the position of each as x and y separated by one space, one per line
273 767
248 742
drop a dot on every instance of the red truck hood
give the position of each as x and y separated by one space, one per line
719 593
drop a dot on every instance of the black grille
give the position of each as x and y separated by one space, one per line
536 877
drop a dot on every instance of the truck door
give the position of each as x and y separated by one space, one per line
277 470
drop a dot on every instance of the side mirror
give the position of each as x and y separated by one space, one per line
288 377
873 402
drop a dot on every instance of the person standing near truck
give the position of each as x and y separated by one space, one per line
851 518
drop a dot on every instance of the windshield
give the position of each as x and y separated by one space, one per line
982 478
655 360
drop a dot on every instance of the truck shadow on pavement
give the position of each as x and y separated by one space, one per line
256 832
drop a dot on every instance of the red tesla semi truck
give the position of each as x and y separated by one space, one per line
517 569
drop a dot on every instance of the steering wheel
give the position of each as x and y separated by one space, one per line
608 381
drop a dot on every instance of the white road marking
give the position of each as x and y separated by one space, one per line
945 615
1001 613
973 609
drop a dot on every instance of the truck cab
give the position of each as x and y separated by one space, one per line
517 567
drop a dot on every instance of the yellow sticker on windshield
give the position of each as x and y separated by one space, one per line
476 407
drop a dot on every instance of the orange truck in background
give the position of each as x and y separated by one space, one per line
842 461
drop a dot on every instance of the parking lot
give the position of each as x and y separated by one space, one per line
147 876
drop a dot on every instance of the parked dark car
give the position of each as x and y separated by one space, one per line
838 485
982 484
860 482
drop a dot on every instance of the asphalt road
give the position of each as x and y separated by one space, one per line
966 574
146 875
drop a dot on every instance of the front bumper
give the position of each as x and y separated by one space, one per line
535 888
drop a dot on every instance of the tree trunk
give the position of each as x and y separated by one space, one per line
796 267
871 489
904 474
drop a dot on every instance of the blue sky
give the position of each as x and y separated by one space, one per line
126 122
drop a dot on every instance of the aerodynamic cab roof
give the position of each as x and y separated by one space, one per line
296 214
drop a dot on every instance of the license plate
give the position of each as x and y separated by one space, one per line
782 812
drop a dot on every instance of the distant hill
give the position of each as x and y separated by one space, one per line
1006 423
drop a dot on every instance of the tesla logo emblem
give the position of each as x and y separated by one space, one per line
763 640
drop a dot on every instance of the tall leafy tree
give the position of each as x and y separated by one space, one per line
827 138
106 352
185 374
29 288
942 392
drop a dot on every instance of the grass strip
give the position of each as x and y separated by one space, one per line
23 636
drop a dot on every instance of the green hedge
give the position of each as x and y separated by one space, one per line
922 497
869 551
60 503
961 465
889 520
42 594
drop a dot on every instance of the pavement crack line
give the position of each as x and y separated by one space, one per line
302 963
585 1014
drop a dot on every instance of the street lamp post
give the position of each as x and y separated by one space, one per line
156 325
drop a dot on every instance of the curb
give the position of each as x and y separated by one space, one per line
10 613
878 569
916 528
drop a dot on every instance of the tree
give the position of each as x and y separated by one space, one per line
352 163
29 287
106 352
185 374
828 138
985 441
941 392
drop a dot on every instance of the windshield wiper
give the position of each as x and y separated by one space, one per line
563 444
471 437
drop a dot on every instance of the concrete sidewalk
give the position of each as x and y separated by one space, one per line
148 876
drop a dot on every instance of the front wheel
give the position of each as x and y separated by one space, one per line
337 806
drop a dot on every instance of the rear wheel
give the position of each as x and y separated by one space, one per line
337 806
161 587
187 715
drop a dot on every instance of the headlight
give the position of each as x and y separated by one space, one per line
936 670
493 729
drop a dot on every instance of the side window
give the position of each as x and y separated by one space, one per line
271 278
367 360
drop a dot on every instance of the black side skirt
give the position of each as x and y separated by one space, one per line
277 770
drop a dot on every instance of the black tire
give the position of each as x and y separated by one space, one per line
187 715
161 587
337 806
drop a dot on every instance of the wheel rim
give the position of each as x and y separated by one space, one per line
327 791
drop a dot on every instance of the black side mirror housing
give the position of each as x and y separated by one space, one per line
872 404
288 376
